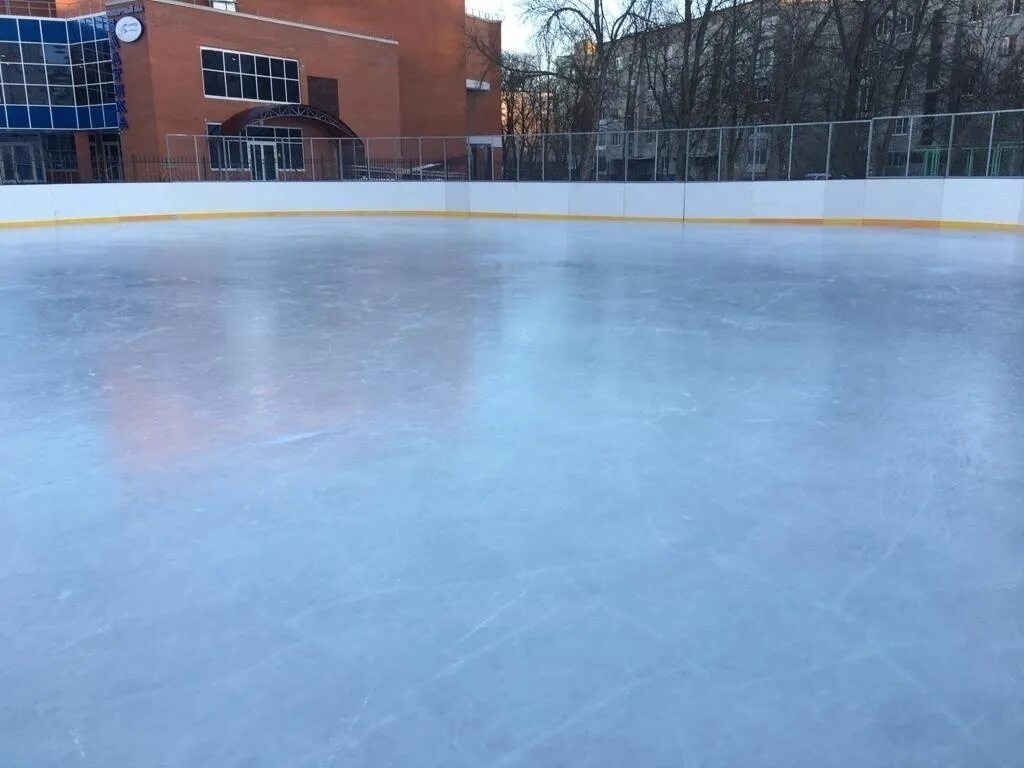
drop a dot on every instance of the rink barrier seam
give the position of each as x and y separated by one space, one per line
933 224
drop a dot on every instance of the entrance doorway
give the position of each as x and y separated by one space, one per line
263 160
21 163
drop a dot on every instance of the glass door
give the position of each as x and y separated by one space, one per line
21 163
263 157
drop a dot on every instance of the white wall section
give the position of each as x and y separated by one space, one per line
997 203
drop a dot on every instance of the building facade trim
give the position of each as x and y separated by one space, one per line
280 22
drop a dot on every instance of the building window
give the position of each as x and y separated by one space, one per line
57 74
223 5
616 139
975 12
900 126
762 93
865 96
1013 7
764 61
1007 45
232 153
904 24
757 148
249 77
884 26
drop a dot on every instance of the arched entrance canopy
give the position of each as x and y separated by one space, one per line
237 123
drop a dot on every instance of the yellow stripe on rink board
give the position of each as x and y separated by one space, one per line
787 221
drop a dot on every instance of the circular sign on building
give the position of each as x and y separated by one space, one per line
128 29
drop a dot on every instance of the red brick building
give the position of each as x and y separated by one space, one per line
159 76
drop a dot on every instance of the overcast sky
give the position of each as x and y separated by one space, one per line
514 34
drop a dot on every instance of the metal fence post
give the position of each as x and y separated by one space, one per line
543 156
910 144
789 170
625 157
421 158
871 138
828 154
341 158
752 143
570 157
686 160
195 142
991 139
518 143
949 146
720 132
657 135
444 153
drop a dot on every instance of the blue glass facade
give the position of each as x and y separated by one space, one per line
56 74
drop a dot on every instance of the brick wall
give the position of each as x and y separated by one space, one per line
164 86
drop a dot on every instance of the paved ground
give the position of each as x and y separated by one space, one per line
443 493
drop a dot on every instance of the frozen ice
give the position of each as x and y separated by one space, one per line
371 492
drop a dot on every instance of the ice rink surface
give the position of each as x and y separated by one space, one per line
434 493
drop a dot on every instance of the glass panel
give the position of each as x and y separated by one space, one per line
232 62
10 52
32 53
291 70
277 67
248 64
264 89
55 32
63 96
12 73
35 73
213 59
213 83
8 29
262 65
280 92
38 95
30 30
58 75
15 94
293 91
249 87
234 85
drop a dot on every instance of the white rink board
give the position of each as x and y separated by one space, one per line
982 202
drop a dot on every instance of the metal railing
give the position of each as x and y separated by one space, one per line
961 144
972 144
